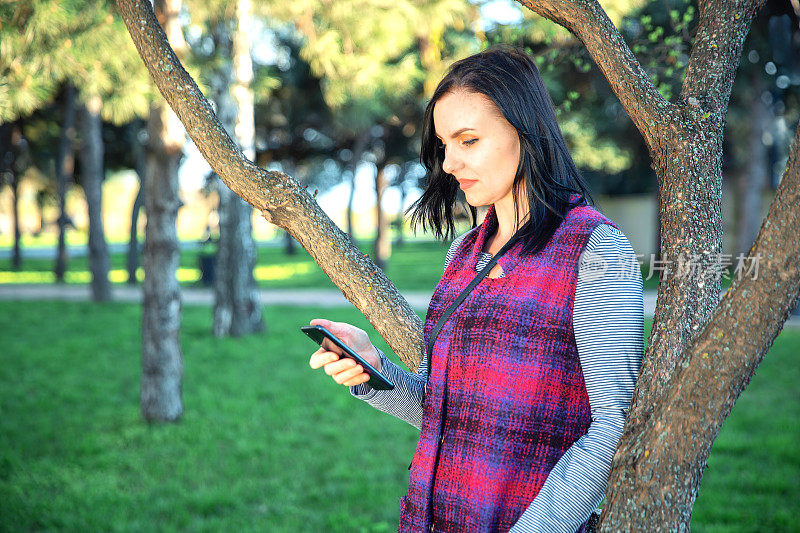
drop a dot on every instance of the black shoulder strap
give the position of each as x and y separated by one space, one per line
468 289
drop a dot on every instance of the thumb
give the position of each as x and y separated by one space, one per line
325 323
342 330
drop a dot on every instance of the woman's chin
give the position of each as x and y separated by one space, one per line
474 200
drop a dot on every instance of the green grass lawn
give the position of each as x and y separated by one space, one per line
266 443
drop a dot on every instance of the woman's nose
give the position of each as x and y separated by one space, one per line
450 163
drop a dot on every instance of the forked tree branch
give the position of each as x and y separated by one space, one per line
588 21
712 373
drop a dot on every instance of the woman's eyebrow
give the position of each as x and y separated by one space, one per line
457 133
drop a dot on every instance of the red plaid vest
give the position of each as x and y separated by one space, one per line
506 395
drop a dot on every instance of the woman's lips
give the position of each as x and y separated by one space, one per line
466 184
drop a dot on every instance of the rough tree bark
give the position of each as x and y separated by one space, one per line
162 360
91 157
237 306
658 465
646 490
65 165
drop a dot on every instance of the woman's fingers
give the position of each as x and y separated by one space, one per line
358 380
322 357
353 374
337 367
344 371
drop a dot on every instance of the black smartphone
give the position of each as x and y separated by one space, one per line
376 379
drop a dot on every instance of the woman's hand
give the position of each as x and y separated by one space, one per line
344 370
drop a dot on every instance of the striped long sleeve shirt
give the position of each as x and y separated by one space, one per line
608 321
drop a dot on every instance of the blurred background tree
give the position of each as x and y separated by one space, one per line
78 54
225 49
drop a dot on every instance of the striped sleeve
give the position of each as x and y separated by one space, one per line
404 401
608 319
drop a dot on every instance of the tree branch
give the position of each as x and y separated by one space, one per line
587 20
712 373
279 197
714 59
689 169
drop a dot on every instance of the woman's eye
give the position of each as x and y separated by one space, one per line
470 141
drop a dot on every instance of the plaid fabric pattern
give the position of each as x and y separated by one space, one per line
506 396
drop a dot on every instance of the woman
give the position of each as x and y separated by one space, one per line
522 396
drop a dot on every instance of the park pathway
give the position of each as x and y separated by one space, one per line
205 296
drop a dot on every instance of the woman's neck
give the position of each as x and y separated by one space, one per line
506 226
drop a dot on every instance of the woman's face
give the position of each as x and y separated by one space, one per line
481 147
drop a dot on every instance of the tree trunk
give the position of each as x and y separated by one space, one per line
133 240
40 201
383 242
359 147
162 360
399 240
134 248
666 460
754 178
657 251
17 143
91 155
11 147
16 255
237 307
65 165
